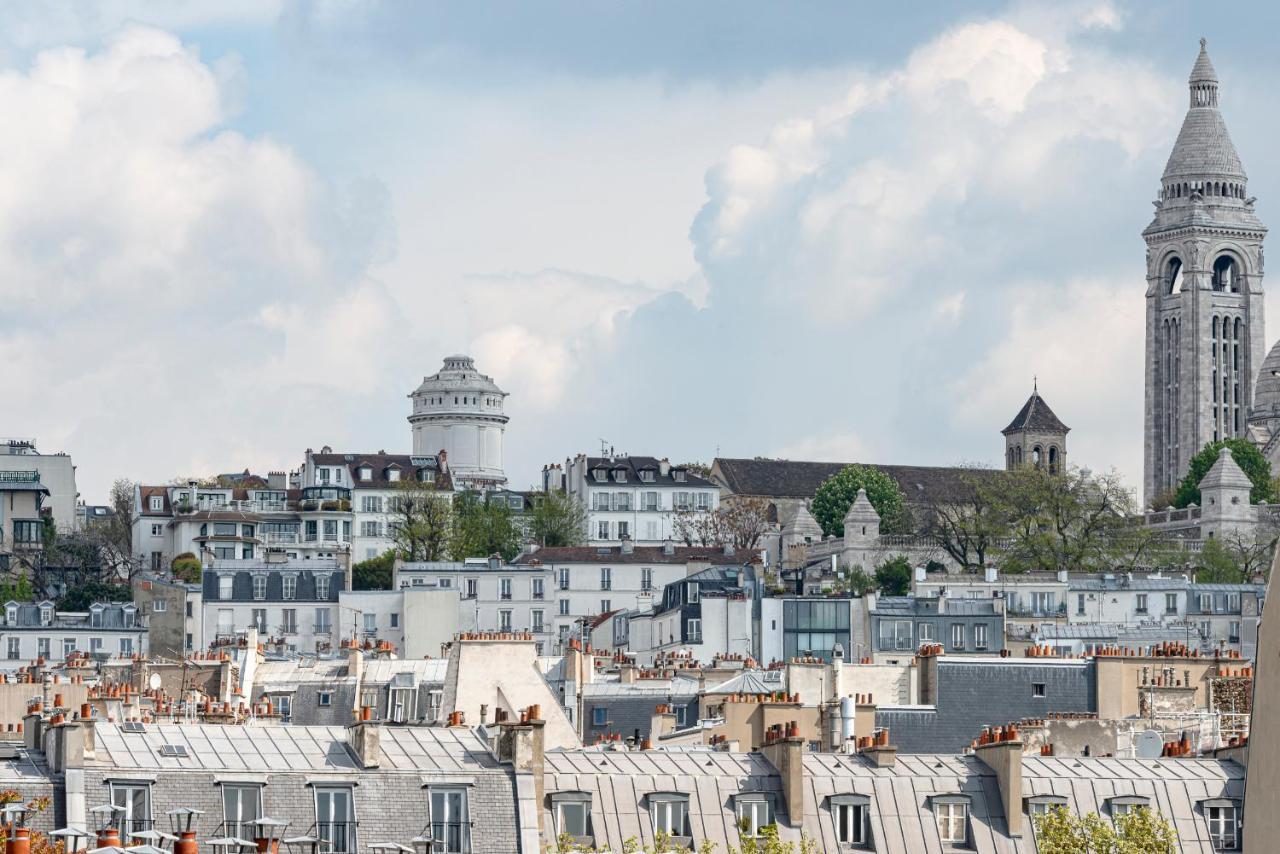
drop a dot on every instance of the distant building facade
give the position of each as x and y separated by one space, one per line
460 412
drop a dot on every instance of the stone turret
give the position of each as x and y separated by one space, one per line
1224 498
862 522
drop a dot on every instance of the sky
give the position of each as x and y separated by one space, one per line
234 230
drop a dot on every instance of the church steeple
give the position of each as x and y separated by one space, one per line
1204 292
1036 436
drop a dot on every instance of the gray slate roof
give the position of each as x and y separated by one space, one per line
799 479
1036 417
1204 146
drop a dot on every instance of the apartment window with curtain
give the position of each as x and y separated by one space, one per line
1224 824
336 819
136 800
450 827
850 815
669 814
953 820
241 806
754 813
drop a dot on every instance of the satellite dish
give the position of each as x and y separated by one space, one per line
154 681
1150 744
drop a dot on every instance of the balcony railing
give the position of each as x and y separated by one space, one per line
19 477
281 537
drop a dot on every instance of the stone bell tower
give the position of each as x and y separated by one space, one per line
1204 331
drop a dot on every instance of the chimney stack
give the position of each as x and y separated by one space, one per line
785 752
1001 750
364 738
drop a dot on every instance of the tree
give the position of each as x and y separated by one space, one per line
837 493
80 597
482 528
1060 521
1139 831
558 519
739 522
421 521
855 581
893 577
1246 455
374 573
968 528
1216 565
700 469
187 567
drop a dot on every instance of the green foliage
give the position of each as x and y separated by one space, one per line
17 590
1246 455
837 493
893 577
856 581
1139 831
558 519
80 597
1217 565
187 567
482 528
374 573
420 521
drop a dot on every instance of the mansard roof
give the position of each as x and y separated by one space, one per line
1035 417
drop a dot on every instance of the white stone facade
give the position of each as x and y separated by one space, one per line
57 474
640 499
459 411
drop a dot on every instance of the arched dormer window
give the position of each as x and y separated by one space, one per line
1173 276
1226 274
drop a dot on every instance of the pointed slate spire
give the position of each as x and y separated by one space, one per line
1204 150
1225 474
1036 416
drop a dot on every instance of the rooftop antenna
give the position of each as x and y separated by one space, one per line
604 447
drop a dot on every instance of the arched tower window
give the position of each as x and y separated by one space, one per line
1173 276
1226 275
1053 459
1036 455
1019 454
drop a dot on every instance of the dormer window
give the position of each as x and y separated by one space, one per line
366 473
952 814
600 475
46 615
678 475
95 616
620 475
669 812
128 613
393 475
11 614
1123 804
157 502
647 476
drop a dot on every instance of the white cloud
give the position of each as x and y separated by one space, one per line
836 447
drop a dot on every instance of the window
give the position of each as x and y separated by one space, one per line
95 645
624 529
695 593
669 814
288 586
126 647
953 821
606 578
704 500
395 621
136 800
370 622
312 534
651 501
370 529
157 530
927 632
289 621
599 716
322 587
225 583
1042 603
241 806
366 473
646 578
1140 603
753 814
537 621
564 577
260 619
504 588
1223 825
157 503
14 645
622 501
335 819
606 606
43 645
190 608
1039 689
602 530
371 503
504 621
1080 604
957 635
323 624
330 530
980 636
564 607
449 825
259 587
1206 603
850 814
1233 631
539 588
1043 805
1125 803
158 606
693 630
68 646
324 699
1171 603
895 634
573 815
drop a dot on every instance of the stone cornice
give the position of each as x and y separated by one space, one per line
456 417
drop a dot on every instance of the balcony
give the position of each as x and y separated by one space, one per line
322 628
19 477
277 537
